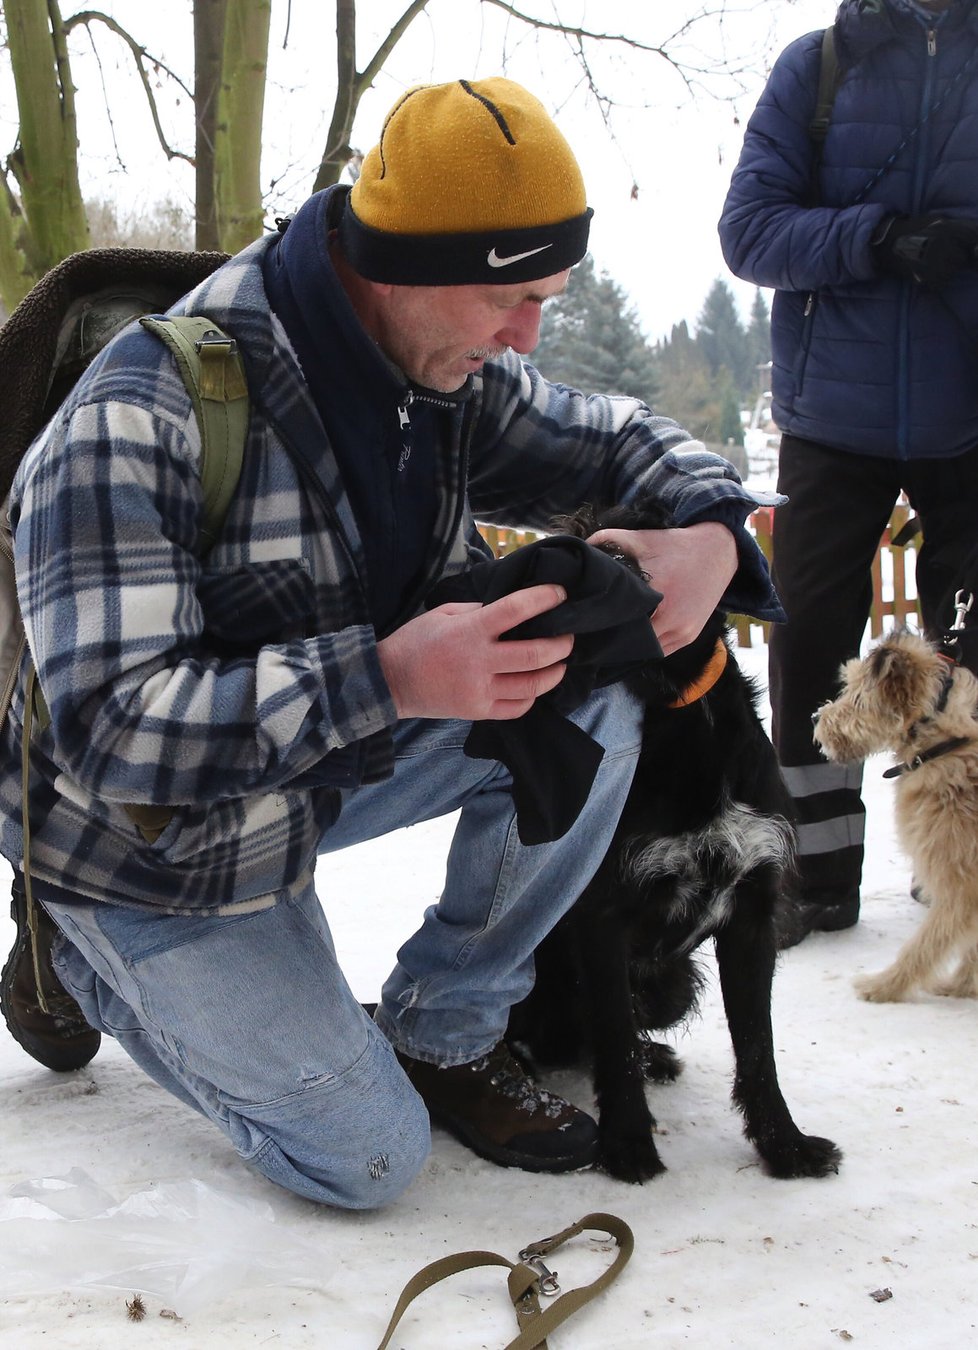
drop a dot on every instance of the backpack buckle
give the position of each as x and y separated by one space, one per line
221 373
208 343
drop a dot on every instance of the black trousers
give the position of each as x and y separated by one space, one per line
825 539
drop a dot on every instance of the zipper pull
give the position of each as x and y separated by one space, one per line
932 42
407 431
809 304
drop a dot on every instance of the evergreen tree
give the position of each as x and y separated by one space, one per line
590 338
706 404
759 343
731 424
685 383
723 340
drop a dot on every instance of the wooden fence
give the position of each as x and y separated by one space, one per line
893 571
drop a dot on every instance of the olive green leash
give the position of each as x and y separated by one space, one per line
528 1279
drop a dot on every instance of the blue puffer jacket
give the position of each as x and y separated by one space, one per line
863 361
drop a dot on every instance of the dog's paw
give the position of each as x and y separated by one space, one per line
804 1155
659 1063
957 988
630 1158
880 988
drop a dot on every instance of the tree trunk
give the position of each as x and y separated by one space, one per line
209 20
45 162
237 146
15 280
337 150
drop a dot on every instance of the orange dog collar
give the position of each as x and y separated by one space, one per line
711 672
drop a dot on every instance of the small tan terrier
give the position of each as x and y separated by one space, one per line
906 697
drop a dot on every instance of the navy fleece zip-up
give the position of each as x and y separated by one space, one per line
386 439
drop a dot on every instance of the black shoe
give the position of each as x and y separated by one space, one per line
41 1016
811 916
499 1112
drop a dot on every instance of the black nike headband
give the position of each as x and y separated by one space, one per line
469 183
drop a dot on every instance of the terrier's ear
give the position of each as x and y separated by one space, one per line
907 674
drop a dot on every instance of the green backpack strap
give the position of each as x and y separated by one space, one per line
213 371
211 367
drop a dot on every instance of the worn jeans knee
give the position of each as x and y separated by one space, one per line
248 1019
375 1144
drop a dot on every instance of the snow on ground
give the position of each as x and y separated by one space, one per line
147 1198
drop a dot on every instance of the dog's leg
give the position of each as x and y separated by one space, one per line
626 1145
746 953
549 1027
963 982
665 992
946 926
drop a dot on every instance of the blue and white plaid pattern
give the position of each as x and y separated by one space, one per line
242 687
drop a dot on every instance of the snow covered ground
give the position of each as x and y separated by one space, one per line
145 1198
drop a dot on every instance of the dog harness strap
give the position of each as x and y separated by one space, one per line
942 748
527 1280
707 678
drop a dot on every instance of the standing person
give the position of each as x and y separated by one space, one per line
871 250
290 694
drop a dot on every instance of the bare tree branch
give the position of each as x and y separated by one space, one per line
556 26
685 68
141 57
376 62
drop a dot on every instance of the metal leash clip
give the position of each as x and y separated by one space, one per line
961 607
548 1278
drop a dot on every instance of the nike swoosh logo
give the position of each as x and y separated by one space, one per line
494 259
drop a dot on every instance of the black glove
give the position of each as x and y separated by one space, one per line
928 249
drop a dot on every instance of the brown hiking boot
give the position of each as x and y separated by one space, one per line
499 1112
41 1016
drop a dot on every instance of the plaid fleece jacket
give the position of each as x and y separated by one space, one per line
242 687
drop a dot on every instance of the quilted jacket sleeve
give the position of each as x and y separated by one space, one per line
769 233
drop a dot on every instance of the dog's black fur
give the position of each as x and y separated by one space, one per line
704 849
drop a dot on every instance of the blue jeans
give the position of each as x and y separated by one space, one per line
247 1016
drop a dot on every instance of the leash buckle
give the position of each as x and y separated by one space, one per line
548 1277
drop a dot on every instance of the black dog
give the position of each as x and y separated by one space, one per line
704 849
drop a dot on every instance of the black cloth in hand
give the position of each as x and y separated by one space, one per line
552 761
928 249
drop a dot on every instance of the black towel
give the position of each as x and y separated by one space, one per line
552 761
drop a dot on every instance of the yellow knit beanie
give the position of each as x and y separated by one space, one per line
470 183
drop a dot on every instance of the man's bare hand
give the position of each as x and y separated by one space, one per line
692 567
451 662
